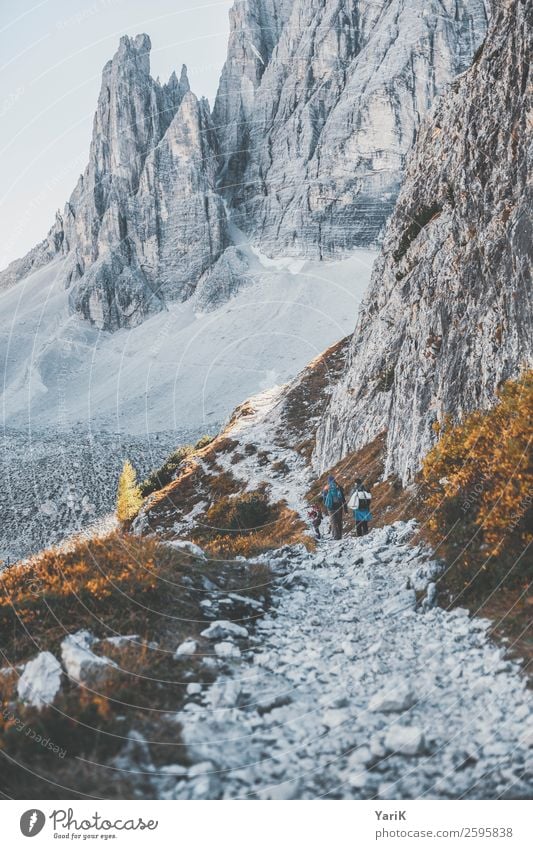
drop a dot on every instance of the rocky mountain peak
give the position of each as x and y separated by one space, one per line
131 228
318 105
175 89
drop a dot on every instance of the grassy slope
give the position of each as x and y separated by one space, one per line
117 585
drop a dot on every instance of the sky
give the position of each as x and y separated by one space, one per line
51 57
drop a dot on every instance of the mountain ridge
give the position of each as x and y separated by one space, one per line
149 219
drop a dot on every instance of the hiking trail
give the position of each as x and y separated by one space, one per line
355 685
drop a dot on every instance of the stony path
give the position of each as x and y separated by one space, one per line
350 692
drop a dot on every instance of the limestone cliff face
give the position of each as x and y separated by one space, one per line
449 312
318 105
44 252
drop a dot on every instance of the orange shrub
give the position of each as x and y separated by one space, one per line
107 585
479 483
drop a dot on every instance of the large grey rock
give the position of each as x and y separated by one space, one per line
40 681
397 696
405 740
226 650
448 314
318 104
80 662
224 628
203 783
186 649
403 601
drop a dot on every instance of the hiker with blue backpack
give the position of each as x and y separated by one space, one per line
335 504
360 504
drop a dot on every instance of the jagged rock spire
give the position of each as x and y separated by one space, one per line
144 221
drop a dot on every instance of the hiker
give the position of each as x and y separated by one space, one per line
360 504
335 503
315 517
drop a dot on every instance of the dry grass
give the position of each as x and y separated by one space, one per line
281 526
198 482
511 612
116 585
476 489
113 577
478 483
308 398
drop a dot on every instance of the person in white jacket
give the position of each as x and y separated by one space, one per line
359 502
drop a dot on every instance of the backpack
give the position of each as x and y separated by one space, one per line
314 515
360 500
364 502
333 496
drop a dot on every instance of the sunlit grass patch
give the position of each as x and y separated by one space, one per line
478 485
116 585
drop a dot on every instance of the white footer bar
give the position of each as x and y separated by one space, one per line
269 825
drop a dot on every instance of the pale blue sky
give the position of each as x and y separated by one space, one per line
52 54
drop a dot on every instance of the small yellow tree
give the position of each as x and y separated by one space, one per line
129 498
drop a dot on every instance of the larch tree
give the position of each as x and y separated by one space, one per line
129 498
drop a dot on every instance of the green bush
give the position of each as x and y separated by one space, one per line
204 441
241 514
162 476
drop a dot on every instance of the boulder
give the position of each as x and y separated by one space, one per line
188 546
202 783
405 740
41 680
394 698
186 649
403 601
80 662
431 596
227 650
224 628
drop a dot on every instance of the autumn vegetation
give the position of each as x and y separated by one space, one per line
247 524
129 498
116 585
162 476
478 486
